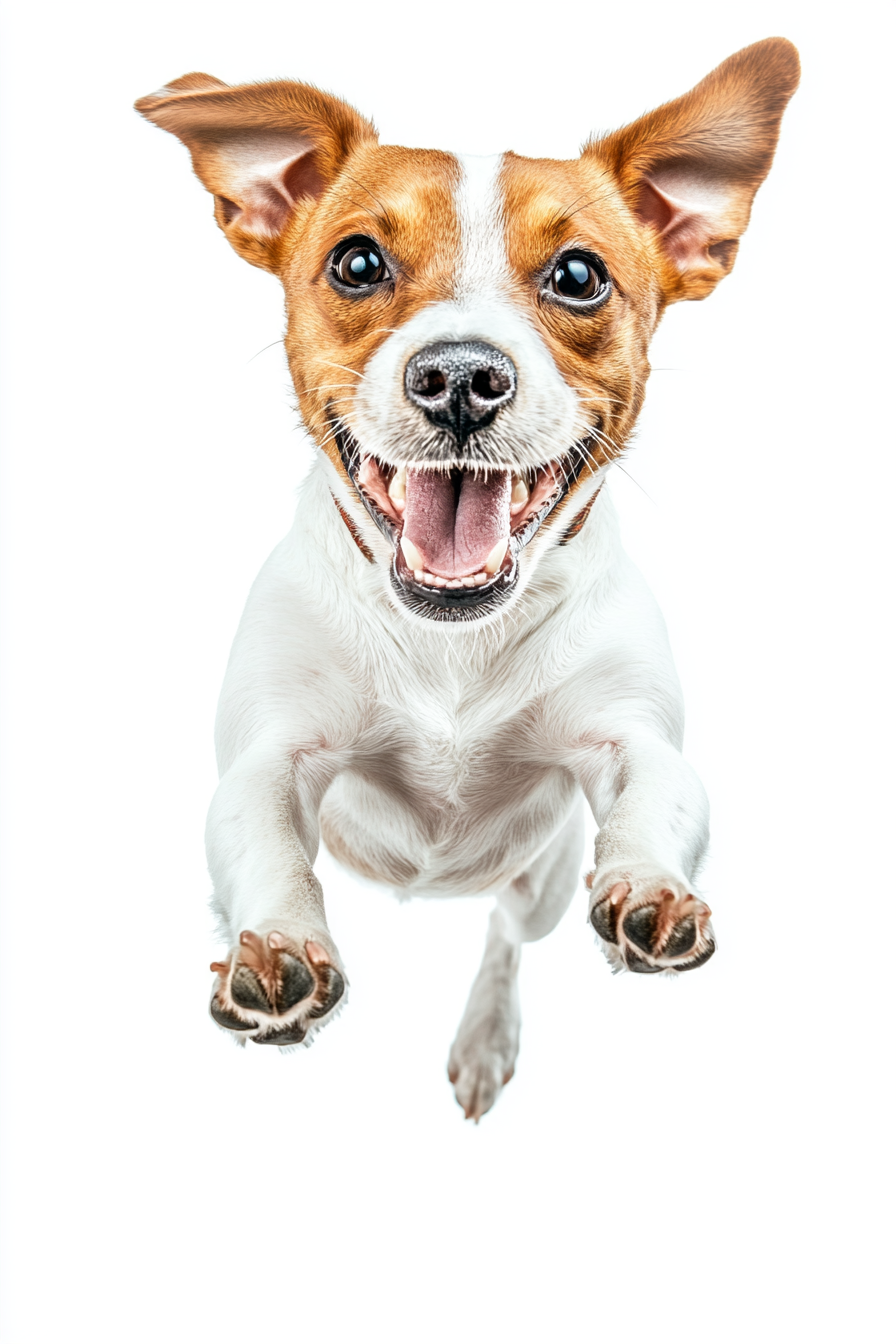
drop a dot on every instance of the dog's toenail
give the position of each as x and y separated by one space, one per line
225 1018
682 938
618 893
316 954
254 945
247 990
276 941
296 984
334 988
639 927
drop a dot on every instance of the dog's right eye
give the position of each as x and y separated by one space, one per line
358 263
580 278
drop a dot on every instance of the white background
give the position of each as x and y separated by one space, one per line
700 1161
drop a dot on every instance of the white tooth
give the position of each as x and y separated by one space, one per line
519 495
418 575
469 581
480 578
455 583
412 555
398 486
493 563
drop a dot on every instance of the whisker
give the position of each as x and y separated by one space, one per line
265 347
587 392
345 368
605 438
366 208
569 214
637 483
385 211
562 214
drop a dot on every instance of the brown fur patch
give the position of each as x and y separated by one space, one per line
553 207
404 200
219 124
355 534
725 130
580 520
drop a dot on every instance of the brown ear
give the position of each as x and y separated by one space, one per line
259 149
690 170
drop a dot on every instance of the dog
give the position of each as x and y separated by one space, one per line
450 648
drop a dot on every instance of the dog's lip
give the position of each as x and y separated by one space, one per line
565 470
457 599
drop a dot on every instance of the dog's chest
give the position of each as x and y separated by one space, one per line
450 792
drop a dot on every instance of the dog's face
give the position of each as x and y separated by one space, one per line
468 337
471 347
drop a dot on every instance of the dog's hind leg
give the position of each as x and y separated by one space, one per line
485 1048
483 1056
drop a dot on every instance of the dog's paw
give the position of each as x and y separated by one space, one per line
478 1076
650 923
483 1056
274 990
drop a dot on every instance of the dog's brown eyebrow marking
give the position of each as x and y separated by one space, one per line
385 217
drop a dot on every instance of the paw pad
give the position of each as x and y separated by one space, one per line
263 979
654 928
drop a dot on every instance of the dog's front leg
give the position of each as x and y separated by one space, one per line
654 822
282 976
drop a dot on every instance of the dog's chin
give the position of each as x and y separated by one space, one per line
473 585
435 603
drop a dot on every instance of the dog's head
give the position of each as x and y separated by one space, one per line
468 337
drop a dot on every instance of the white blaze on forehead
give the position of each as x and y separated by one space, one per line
544 418
482 265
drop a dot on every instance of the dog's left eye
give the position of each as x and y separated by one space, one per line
579 278
357 263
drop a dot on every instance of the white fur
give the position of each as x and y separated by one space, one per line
444 759
450 759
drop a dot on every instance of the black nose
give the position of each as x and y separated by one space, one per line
460 385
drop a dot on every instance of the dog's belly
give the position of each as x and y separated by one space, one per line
472 838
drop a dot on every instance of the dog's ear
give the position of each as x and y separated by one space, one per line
259 149
689 170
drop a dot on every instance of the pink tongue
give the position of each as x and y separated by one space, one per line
455 536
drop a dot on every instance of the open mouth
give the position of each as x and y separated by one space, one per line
457 532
